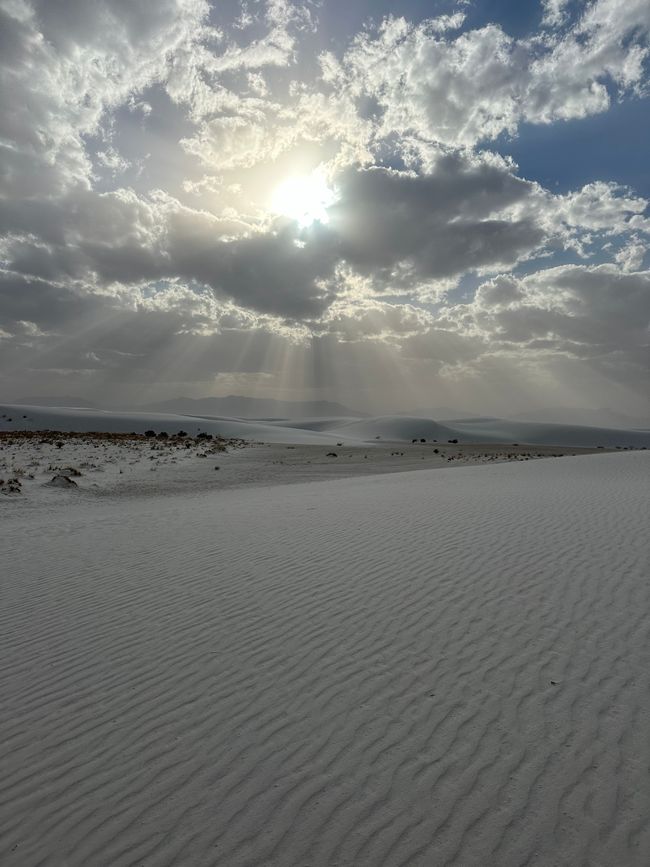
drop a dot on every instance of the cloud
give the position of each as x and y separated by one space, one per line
433 226
555 12
399 228
586 312
630 257
120 238
63 64
374 319
140 143
408 234
471 87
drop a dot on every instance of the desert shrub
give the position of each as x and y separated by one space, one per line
182 433
163 435
150 433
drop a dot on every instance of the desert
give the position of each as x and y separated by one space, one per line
383 657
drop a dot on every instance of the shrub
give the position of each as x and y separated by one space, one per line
163 435
150 433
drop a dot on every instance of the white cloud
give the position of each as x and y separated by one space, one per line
630 257
555 12
63 66
471 87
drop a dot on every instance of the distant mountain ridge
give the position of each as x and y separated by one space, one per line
236 406
59 400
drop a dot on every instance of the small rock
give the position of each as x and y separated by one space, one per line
61 482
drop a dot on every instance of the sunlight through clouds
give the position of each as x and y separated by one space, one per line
262 174
304 199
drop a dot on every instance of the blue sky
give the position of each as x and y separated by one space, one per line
612 146
428 198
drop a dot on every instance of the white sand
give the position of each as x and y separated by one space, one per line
324 431
99 465
433 668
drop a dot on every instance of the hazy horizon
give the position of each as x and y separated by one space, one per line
244 406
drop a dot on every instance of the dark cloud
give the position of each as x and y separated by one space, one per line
432 226
584 312
441 224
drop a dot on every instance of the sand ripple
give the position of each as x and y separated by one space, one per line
436 668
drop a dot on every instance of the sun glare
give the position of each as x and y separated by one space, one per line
303 198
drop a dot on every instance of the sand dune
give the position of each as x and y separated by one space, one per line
397 428
435 668
480 430
79 419
502 430
324 430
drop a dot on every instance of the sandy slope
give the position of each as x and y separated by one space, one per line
391 428
15 417
481 430
430 668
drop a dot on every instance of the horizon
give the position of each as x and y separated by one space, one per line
245 407
384 206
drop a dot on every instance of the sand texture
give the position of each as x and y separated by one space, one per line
445 667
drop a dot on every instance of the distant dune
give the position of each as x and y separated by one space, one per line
64 419
250 407
61 400
399 428
504 430
390 428
591 417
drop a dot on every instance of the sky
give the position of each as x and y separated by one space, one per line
396 206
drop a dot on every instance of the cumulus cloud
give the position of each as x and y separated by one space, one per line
400 228
590 312
555 12
62 65
472 87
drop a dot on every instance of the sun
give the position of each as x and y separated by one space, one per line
304 198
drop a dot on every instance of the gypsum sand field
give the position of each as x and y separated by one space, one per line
32 463
418 668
